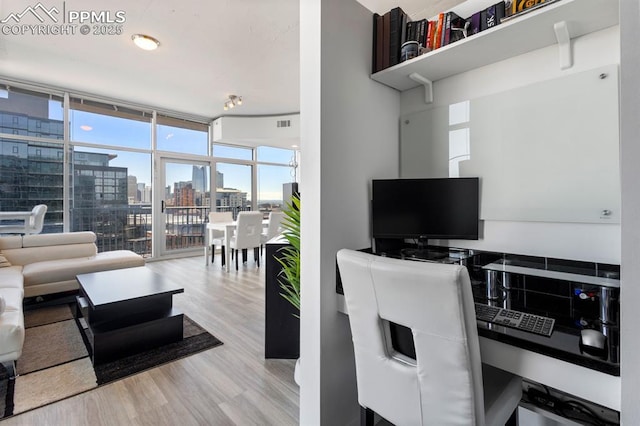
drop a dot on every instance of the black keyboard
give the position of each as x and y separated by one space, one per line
515 319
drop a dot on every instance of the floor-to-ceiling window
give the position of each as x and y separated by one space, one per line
98 171
276 166
32 153
109 163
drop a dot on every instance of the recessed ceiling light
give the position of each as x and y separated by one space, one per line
145 42
294 146
86 128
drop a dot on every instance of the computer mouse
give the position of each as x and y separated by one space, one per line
591 338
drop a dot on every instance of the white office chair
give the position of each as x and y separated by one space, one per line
273 228
248 235
444 384
216 236
33 225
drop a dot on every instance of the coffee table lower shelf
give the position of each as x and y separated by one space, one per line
129 335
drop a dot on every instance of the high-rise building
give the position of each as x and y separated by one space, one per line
132 189
32 172
199 178
183 194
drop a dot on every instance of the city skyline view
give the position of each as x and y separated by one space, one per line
110 170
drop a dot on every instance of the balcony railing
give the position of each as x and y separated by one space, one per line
130 227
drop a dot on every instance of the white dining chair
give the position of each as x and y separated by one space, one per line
248 235
274 227
32 225
446 383
216 236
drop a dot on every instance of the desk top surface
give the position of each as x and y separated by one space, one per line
572 301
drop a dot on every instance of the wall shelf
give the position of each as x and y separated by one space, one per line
519 35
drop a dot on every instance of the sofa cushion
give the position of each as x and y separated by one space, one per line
11 277
26 256
10 242
11 335
12 298
64 238
50 271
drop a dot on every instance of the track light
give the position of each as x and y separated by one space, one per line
232 101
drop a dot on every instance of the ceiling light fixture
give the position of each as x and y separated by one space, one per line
145 42
232 101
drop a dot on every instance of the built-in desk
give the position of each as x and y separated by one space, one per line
567 291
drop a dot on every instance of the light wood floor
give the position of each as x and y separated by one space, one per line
229 385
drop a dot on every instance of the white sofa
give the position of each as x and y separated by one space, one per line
47 264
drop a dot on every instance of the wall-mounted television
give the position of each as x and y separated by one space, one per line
446 208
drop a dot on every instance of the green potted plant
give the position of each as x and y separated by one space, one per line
290 255
289 276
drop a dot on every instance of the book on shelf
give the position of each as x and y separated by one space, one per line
397 20
455 28
411 30
378 35
495 14
492 16
386 20
474 24
431 29
516 8
437 39
459 29
422 33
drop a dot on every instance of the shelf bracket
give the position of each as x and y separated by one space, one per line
564 44
428 86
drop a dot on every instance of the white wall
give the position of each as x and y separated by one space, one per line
630 156
590 242
349 135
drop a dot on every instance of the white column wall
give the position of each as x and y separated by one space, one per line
349 135
630 171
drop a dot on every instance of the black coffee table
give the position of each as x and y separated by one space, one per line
127 311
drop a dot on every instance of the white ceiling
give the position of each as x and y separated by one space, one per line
209 50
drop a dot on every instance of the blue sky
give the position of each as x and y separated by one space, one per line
97 128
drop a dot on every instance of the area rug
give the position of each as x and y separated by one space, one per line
55 363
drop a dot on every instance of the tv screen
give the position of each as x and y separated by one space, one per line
426 208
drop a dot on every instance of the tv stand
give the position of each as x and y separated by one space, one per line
422 254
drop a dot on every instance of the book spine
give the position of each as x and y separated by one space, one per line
500 12
447 29
483 20
430 32
491 17
422 33
379 37
437 41
394 36
474 24
410 30
403 31
386 20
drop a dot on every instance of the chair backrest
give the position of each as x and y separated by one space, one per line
36 221
220 217
248 230
274 228
443 386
